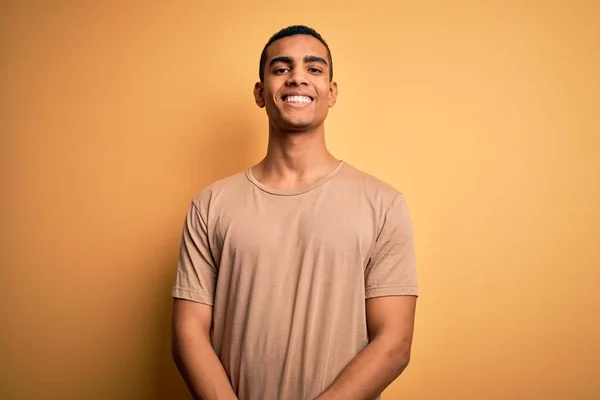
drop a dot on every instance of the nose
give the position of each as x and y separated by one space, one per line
296 78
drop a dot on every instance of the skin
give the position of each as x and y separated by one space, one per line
296 152
390 321
193 352
296 156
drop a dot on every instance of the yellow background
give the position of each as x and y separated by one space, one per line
484 113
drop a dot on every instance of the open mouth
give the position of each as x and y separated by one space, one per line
297 99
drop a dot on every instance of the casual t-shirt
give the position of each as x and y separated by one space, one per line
288 273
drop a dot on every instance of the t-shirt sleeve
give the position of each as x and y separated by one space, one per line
391 269
196 275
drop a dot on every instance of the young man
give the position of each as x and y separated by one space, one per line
296 278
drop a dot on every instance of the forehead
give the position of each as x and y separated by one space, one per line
297 47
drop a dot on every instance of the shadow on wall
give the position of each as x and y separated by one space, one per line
219 154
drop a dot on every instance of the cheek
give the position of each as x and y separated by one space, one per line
272 87
267 93
324 92
273 98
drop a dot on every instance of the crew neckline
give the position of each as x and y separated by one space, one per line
283 192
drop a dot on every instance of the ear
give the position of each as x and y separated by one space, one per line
333 93
258 94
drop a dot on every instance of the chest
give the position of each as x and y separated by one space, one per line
297 228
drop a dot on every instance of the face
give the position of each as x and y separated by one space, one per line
296 91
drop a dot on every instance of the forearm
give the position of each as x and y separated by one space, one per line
201 369
370 372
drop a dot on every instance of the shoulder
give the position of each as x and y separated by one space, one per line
221 190
374 189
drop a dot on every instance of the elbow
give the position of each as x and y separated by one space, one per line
399 356
176 350
400 361
401 352
403 360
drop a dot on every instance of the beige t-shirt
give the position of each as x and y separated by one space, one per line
288 272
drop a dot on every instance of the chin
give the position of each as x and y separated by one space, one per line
299 127
297 124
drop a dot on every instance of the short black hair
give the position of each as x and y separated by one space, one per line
292 31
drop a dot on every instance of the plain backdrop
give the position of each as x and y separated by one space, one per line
485 114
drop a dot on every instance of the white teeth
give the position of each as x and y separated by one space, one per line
298 99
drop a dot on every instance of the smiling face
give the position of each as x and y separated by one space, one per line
296 91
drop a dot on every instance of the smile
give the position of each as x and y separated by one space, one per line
297 99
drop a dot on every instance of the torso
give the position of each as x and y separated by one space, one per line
289 308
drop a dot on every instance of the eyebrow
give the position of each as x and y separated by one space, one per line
289 60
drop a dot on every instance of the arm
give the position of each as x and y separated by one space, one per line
391 294
193 353
193 291
390 322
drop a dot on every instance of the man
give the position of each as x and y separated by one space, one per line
296 277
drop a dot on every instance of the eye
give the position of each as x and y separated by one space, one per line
315 70
281 70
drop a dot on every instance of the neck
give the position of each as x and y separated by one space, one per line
295 156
